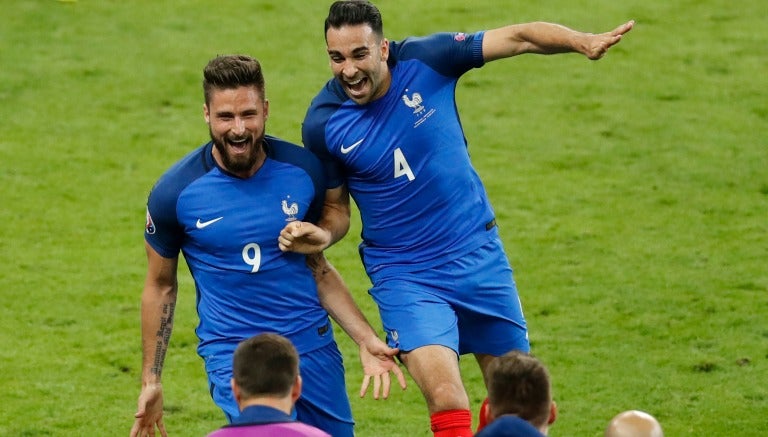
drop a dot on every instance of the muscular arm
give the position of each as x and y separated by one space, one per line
336 213
337 300
307 238
548 38
158 302
376 357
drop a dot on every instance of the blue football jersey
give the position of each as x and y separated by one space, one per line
404 157
227 229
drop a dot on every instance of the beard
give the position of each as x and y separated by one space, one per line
238 163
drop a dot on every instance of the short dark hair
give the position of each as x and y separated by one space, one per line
232 71
266 364
519 384
354 12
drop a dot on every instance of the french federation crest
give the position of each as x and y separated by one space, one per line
414 101
291 210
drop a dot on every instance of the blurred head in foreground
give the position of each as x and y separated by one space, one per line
634 423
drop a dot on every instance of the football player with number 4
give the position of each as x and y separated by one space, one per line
223 206
387 129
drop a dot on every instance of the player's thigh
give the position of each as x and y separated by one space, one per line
435 369
324 402
415 314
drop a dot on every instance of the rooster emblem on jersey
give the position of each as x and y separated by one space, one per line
414 102
290 210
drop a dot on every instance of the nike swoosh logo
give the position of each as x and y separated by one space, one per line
346 150
201 225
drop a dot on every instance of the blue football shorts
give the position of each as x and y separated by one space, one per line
468 304
323 402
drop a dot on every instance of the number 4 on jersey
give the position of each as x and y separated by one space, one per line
401 166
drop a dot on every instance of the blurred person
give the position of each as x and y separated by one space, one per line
634 423
388 132
266 384
223 206
519 387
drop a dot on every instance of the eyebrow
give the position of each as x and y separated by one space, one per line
356 51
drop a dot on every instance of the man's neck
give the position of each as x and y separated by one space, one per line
283 404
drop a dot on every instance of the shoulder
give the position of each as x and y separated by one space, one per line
185 171
297 157
448 52
509 426
290 153
298 429
283 429
330 98
325 103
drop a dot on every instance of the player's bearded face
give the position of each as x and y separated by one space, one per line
236 122
240 152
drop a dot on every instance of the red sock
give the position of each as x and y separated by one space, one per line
452 423
483 416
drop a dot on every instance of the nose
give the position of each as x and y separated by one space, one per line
239 126
349 69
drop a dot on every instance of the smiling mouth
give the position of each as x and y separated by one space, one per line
357 86
238 144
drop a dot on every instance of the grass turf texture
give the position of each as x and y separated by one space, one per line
631 193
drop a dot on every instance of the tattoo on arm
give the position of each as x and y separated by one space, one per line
318 270
163 337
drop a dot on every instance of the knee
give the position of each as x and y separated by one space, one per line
446 395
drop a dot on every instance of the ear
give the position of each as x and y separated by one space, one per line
296 389
266 109
552 413
488 414
384 49
206 113
235 391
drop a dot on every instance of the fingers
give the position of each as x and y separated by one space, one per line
382 383
284 244
603 42
287 236
624 28
161 427
385 383
364 386
141 430
295 228
377 387
400 377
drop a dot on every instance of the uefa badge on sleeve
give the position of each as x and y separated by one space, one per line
150 226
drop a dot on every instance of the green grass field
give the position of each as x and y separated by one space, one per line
632 195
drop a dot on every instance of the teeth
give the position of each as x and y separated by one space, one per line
355 82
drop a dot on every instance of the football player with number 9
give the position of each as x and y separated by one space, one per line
223 206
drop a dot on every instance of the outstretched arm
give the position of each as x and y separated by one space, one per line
157 307
548 38
376 357
305 237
